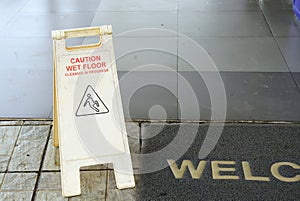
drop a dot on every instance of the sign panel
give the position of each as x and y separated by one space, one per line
89 118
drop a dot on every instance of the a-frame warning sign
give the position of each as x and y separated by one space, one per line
91 130
91 103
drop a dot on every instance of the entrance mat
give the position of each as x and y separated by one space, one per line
249 162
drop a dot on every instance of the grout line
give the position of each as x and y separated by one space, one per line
45 171
24 119
11 125
140 137
177 51
38 124
93 170
106 185
171 121
13 150
266 21
41 166
216 122
22 171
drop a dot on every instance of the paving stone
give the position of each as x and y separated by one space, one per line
11 123
50 196
19 182
49 187
29 148
8 136
16 196
27 156
261 145
93 185
51 160
49 181
34 133
39 122
114 194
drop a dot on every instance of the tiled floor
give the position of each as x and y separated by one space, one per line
29 166
242 37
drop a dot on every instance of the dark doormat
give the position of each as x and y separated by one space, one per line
249 162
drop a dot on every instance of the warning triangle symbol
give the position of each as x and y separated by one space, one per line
91 103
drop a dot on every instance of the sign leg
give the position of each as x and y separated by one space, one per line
123 172
70 179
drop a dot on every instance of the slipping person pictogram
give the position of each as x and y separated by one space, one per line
91 103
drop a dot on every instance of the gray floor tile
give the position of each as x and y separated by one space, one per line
34 133
8 137
232 54
19 182
127 23
296 76
41 25
29 149
30 64
49 181
250 96
114 194
11 9
56 6
212 5
20 195
145 54
27 54
223 24
276 4
93 185
136 5
260 145
11 123
50 196
283 23
31 99
290 48
149 95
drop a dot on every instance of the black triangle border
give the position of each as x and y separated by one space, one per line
82 101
